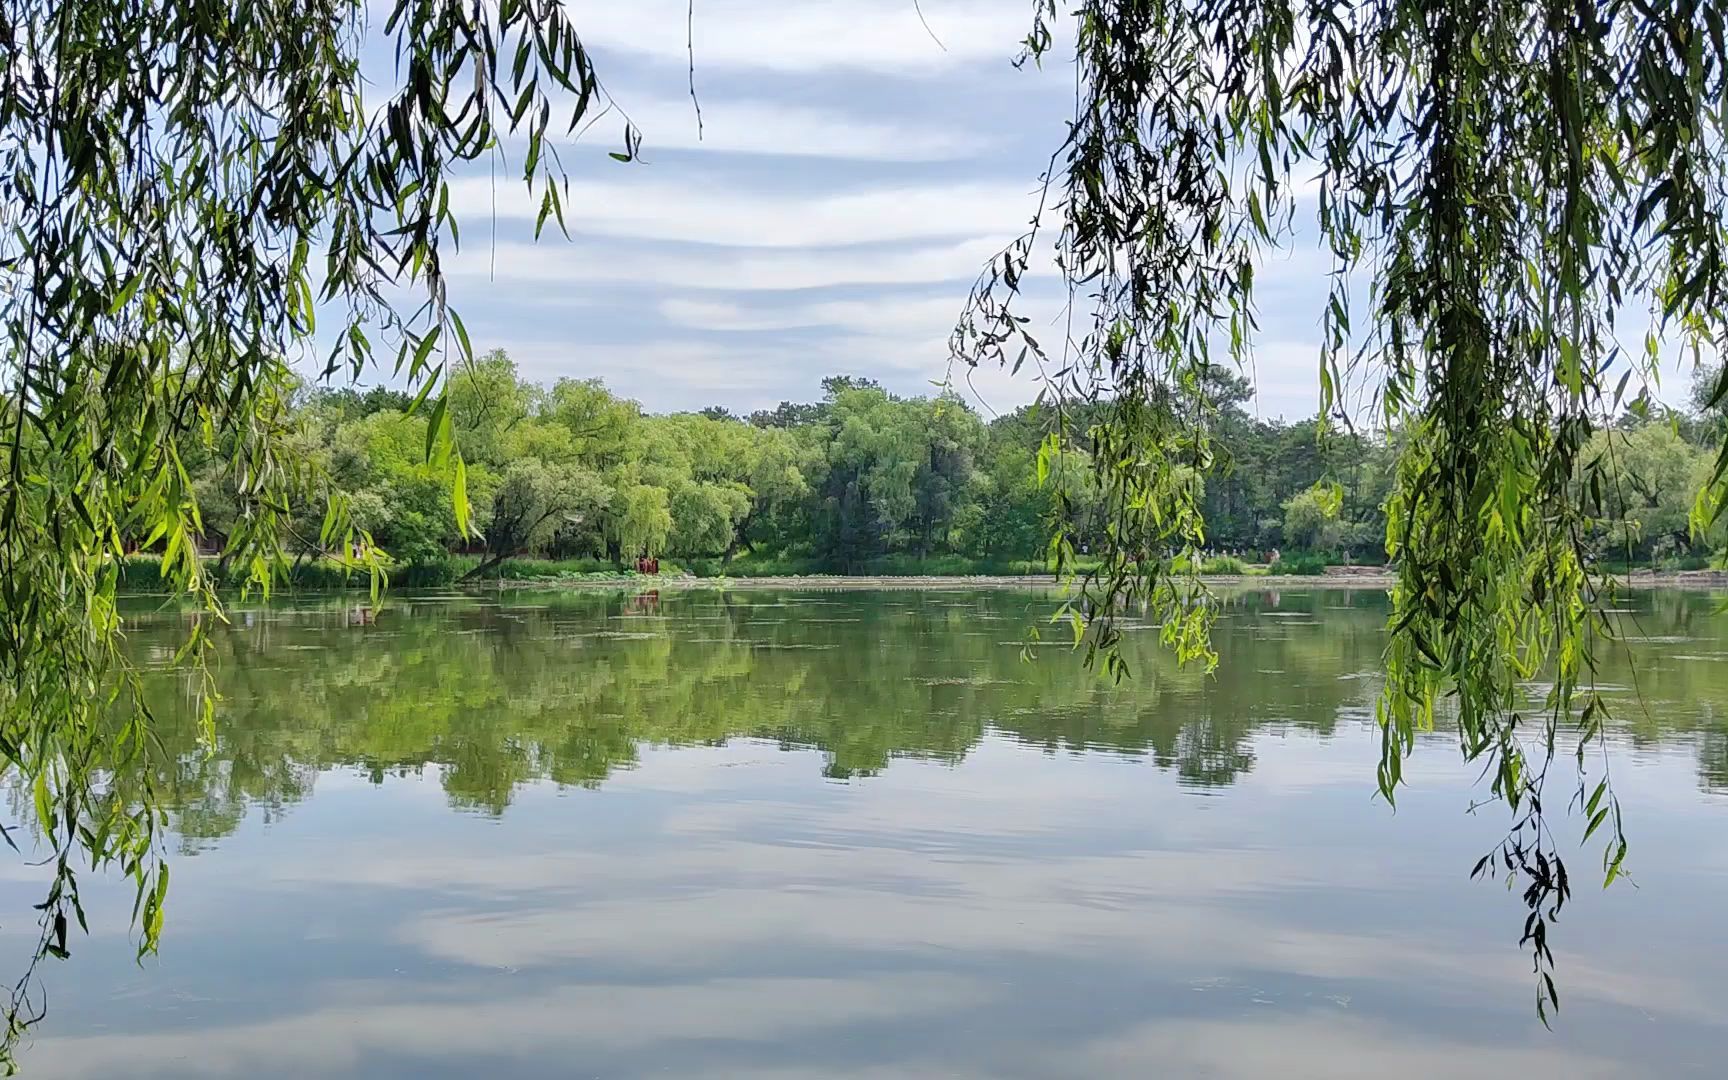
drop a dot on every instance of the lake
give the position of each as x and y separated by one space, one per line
854 834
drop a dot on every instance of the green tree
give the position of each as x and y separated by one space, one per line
873 448
780 467
705 517
532 502
1311 518
600 423
641 520
489 403
945 480
1493 184
1649 480
187 183
1011 507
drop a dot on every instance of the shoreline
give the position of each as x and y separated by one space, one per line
897 581
1684 579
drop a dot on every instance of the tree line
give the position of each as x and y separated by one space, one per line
575 471
1494 185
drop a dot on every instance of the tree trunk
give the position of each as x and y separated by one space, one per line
490 562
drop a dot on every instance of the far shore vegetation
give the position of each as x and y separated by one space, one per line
574 481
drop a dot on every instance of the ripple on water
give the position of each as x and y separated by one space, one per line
787 645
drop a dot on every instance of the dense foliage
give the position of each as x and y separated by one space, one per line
1499 185
863 479
190 188
1503 192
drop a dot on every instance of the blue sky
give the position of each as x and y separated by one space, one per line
852 177
855 172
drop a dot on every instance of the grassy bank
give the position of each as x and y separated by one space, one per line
143 573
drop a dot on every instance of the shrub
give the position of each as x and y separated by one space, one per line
1306 564
1684 562
143 574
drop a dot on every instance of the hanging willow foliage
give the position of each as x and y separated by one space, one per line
184 185
1499 185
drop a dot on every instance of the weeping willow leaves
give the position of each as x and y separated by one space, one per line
189 186
1499 186
186 186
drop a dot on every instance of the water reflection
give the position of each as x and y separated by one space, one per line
570 688
654 872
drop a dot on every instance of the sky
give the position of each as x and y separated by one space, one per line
854 172
858 163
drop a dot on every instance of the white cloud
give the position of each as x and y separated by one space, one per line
909 334
564 1023
924 314
809 36
745 374
692 210
555 264
680 374
902 339
701 275
746 126
753 321
1321 1043
700 271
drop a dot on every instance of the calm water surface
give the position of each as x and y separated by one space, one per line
852 834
